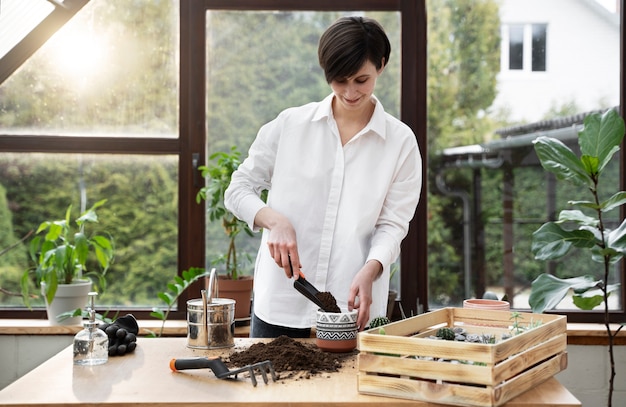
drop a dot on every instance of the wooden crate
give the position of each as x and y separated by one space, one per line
399 363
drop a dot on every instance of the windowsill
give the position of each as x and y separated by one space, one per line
577 334
146 327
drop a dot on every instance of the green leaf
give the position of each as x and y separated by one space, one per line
616 239
617 200
175 288
559 159
551 242
81 245
587 303
591 298
578 217
167 298
54 231
158 313
585 204
598 255
601 136
590 164
547 291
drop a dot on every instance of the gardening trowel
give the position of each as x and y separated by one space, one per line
307 289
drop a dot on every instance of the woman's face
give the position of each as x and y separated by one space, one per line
354 93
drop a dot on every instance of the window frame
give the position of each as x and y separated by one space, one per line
413 110
190 146
192 139
528 59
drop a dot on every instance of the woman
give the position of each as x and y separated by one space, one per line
344 180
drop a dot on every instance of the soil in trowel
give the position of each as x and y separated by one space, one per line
329 302
289 357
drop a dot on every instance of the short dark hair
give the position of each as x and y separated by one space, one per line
348 43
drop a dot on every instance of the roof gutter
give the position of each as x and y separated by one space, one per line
489 154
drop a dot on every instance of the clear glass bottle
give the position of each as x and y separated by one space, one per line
91 345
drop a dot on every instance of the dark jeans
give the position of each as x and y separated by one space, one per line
261 329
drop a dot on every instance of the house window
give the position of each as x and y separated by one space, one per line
526 47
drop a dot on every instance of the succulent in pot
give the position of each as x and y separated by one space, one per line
63 252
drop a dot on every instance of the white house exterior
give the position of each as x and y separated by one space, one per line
581 57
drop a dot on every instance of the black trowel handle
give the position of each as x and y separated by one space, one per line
308 290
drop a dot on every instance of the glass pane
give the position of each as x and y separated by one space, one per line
516 47
487 190
141 214
539 47
111 70
251 80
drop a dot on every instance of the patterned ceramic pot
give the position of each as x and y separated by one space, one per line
336 331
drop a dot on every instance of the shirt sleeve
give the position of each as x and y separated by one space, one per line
254 175
399 207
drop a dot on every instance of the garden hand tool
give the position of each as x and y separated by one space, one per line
221 370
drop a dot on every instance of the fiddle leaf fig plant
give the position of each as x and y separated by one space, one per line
583 228
63 251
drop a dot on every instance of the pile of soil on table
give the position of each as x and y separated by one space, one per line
328 301
290 358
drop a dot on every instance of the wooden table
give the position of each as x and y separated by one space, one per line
144 378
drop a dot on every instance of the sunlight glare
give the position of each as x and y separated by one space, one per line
78 55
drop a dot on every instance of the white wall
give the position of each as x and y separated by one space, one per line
586 376
19 354
582 59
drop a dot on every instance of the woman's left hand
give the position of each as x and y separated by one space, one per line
362 288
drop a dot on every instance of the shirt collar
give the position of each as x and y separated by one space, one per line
376 124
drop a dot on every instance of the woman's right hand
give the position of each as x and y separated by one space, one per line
281 240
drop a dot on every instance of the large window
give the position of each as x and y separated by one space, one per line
92 115
111 108
487 190
129 112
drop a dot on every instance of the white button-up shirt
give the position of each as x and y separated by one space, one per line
348 204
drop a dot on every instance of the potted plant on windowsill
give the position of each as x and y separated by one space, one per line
63 253
599 140
233 283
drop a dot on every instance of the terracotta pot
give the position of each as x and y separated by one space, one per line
481 303
67 298
336 331
239 290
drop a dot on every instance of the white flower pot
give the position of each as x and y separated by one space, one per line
67 298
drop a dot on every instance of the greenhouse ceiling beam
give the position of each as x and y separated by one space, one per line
24 49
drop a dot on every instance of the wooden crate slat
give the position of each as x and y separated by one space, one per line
521 361
530 338
498 317
404 346
414 325
529 379
425 391
425 369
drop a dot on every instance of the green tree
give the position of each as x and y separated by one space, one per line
12 254
463 61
